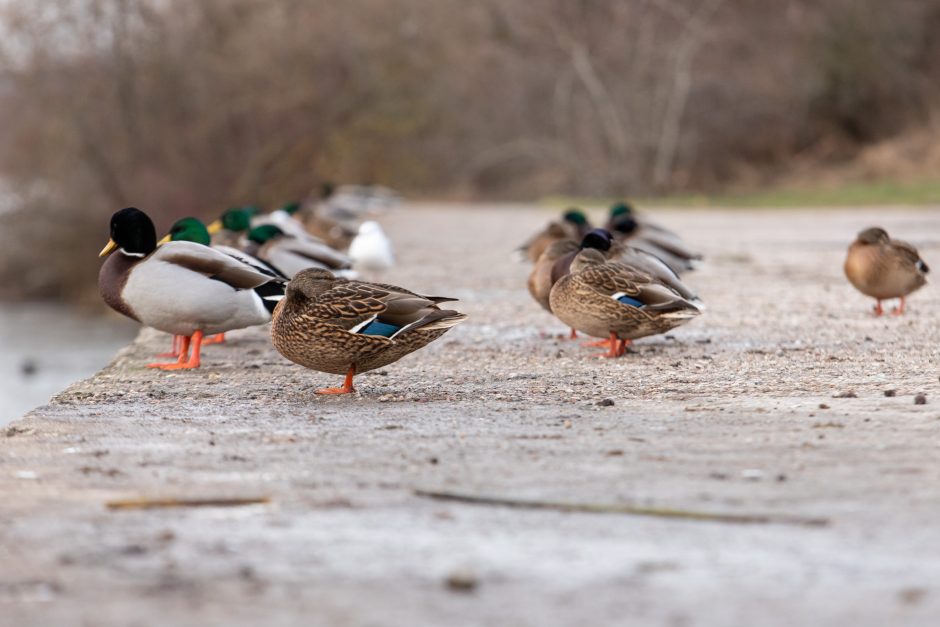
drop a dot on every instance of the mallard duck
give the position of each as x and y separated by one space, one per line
557 259
371 250
284 218
194 230
338 326
289 254
608 299
181 288
231 226
574 224
883 268
665 245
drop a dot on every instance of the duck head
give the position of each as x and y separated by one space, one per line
188 230
132 233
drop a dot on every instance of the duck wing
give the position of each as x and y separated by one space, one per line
211 263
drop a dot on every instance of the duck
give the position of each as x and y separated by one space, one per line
230 227
339 326
182 288
557 259
371 250
574 224
882 268
661 243
608 299
192 229
290 254
284 218
338 234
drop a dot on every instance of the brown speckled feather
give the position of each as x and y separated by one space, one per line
584 300
312 324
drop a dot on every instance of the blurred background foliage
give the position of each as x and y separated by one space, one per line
183 107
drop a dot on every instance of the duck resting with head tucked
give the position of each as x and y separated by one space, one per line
609 299
556 261
883 268
182 288
574 224
335 325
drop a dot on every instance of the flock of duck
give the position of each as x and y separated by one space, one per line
298 268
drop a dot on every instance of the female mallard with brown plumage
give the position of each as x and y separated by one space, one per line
883 268
335 325
609 299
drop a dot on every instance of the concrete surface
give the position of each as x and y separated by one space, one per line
734 413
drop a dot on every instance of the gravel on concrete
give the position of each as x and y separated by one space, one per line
773 403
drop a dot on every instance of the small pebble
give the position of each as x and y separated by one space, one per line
461 581
823 406
846 394
920 399
891 393
607 402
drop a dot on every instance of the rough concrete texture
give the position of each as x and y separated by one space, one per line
738 412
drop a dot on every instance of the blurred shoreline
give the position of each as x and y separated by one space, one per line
47 347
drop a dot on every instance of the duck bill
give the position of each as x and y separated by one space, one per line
166 239
215 227
109 248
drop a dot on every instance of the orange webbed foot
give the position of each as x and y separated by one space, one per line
218 338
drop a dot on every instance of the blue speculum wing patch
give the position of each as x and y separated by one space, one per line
626 300
380 328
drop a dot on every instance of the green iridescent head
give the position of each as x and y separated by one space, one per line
190 230
620 209
263 233
237 219
575 216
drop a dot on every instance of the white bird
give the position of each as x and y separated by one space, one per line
371 250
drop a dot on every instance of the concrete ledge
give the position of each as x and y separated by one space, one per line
726 415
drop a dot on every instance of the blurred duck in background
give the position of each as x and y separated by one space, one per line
182 288
291 254
371 251
884 268
574 225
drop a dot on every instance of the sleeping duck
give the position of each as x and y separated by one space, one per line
181 288
883 268
290 254
609 299
335 325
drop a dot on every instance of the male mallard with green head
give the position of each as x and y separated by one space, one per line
291 254
335 325
608 299
883 268
182 288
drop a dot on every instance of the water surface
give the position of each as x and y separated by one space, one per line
45 347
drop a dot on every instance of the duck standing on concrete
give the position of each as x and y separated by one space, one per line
181 288
609 299
371 250
194 230
883 268
335 325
